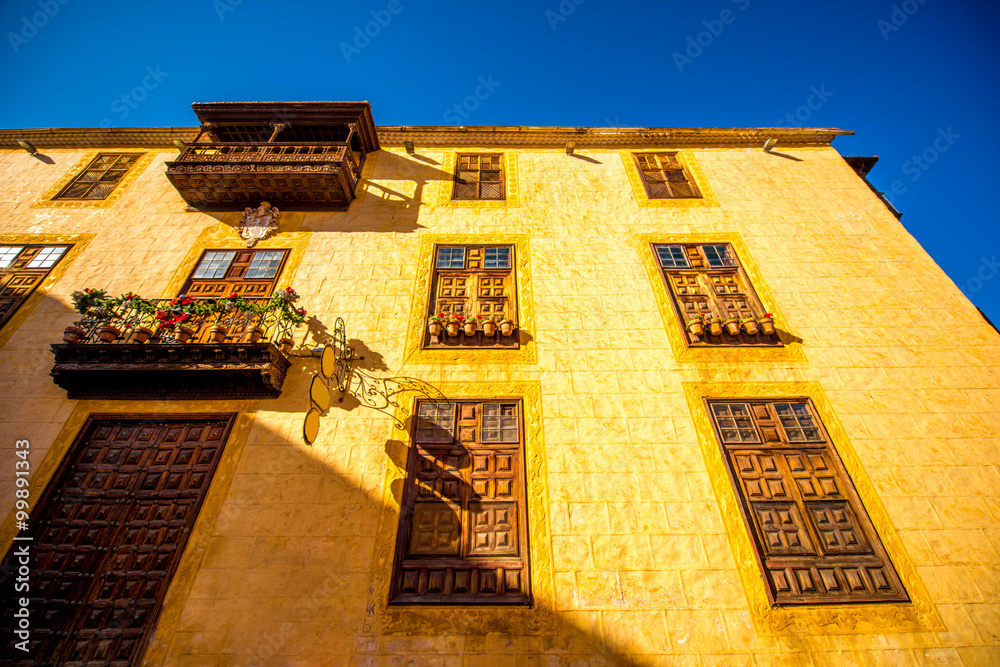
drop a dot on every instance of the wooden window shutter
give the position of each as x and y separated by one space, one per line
474 280
463 522
250 273
708 280
812 536
108 534
479 176
22 270
99 178
665 177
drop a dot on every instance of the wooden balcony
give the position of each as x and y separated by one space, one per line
243 362
297 156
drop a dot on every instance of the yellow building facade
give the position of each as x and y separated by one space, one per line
634 541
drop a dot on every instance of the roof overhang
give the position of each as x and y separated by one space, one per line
443 136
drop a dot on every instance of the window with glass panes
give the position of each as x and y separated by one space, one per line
471 281
99 178
707 280
479 176
665 177
22 270
251 273
463 533
814 541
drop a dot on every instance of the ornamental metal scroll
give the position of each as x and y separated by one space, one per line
337 371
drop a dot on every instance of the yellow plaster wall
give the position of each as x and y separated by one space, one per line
284 564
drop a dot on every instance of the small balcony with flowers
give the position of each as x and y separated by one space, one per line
129 347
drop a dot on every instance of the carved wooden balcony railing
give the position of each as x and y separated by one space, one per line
246 362
227 176
297 156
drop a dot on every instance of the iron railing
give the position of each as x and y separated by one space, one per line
271 323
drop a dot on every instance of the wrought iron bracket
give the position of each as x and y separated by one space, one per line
337 370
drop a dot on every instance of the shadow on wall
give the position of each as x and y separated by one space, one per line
387 206
285 569
289 568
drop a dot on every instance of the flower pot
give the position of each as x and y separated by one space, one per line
219 333
732 326
286 345
434 328
507 327
72 334
696 327
489 328
253 334
452 328
183 334
715 326
109 333
750 326
766 326
470 328
142 334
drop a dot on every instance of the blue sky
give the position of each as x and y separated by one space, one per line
914 79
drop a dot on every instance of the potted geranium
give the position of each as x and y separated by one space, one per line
435 323
454 325
507 327
732 326
714 325
472 325
749 325
182 314
766 322
489 327
696 325
135 306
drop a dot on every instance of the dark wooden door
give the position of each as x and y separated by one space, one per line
108 535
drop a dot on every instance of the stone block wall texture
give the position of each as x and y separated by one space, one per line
281 565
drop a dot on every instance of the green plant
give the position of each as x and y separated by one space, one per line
92 303
284 300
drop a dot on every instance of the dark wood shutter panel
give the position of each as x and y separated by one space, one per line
99 178
665 177
18 280
713 291
475 290
463 528
813 538
479 176
108 535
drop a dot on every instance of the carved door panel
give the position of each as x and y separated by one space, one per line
108 536
813 537
22 269
463 533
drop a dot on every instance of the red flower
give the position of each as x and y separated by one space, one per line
441 315
459 317
302 311
233 296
